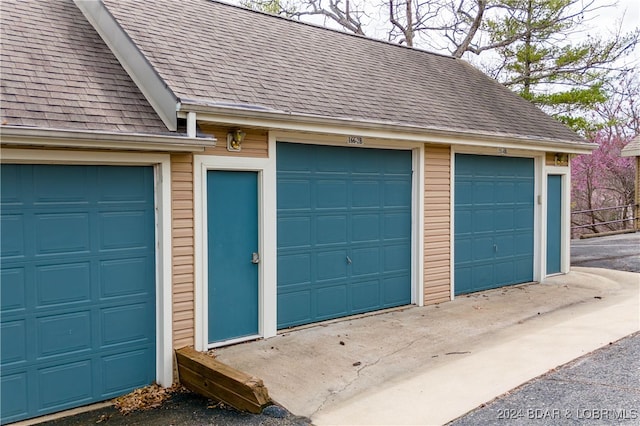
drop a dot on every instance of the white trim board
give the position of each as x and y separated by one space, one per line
162 192
266 243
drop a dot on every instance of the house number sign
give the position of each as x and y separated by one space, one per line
355 140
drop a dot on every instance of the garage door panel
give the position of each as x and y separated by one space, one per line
482 247
53 184
120 372
359 204
331 265
294 307
125 324
63 334
365 194
397 226
13 396
331 302
12 289
294 195
14 342
365 227
494 223
365 261
395 290
294 269
331 195
62 283
54 293
123 185
331 230
122 277
123 230
504 219
397 193
12 235
53 236
396 258
294 232
482 220
57 392
483 193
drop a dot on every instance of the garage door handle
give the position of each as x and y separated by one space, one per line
255 258
349 262
495 248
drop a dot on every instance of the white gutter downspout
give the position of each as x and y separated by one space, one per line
191 124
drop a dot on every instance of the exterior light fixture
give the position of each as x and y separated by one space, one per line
561 159
234 140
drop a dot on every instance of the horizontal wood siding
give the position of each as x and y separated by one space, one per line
437 224
183 287
255 144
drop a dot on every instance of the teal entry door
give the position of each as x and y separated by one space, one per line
554 224
232 237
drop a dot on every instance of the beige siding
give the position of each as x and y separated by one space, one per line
437 220
255 143
183 249
183 284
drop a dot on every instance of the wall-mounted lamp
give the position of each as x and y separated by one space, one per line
561 159
234 140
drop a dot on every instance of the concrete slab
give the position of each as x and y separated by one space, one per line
432 364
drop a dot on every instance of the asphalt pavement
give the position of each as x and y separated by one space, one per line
620 252
601 388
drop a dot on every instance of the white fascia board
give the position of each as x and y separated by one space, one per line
152 86
81 139
327 125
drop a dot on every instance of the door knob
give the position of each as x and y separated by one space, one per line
255 258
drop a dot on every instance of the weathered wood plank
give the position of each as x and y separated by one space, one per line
207 376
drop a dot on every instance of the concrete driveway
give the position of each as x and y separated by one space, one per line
433 364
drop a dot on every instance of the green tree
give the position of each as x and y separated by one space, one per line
538 56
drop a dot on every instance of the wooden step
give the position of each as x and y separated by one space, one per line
206 376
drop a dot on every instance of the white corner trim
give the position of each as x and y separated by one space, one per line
452 215
417 249
162 191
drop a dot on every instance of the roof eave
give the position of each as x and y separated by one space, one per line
273 119
87 139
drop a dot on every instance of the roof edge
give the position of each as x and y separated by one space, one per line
62 138
269 118
134 62
632 149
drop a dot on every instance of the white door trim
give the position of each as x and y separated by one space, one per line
565 220
162 191
265 167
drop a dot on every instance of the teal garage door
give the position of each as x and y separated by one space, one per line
78 285
494 217
344 231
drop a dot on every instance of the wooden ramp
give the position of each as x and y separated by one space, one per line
205 375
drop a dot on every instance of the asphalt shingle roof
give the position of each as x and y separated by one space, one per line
58 73
217 53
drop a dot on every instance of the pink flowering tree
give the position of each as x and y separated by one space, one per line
602 180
